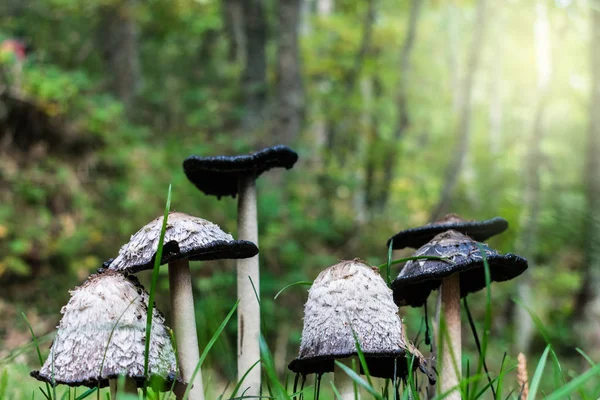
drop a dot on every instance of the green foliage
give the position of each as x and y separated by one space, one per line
69 202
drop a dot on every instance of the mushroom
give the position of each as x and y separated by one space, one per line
227 176
346 297
464 274
478 230
186 238
102 335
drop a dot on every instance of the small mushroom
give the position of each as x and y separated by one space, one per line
349 296
229 176
186 238
102 335
464 274
478 230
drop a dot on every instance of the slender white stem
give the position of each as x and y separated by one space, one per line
343 383
248 274
184 325
450 341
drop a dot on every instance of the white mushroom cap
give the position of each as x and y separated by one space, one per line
84 353
185 237
351 295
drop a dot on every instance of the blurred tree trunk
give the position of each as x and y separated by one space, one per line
402 120
528 237
290 91
452 54
349 85
588 302
374 145
464 106
254 80
120 48
233 16
325 7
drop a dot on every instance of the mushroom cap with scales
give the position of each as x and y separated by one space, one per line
102 335
219 175
352 295
478 230
185 237
419 277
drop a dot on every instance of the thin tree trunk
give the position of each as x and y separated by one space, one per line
529 234
325 7
403 121
351 78
233 16
588 301
452 55
290 91
254 81
374 150
463 129
119 42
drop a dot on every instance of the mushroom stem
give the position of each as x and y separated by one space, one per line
247 275
184 324
343 383
129 387
450 339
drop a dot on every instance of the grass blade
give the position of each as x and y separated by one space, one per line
87 393
155 272
209 345
537 376
401 260
359 381
574 384
239 384
269 367
388 269
39 353
307 283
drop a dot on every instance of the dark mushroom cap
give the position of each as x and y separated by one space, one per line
219 175
419 277
478 230
102 335
351 294
185 237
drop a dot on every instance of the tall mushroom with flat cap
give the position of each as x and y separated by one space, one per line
102 335
352 295
478 230
462 274
229 176
186 238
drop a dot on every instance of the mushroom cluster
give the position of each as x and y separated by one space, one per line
460 272
350 310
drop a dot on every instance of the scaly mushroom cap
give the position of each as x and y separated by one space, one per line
351 295
478 230
219 175
185 237
102 335
419 277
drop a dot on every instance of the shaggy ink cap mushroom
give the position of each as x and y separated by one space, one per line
186 237
219 175
478 230
352 295
419 277
102 334
236 176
